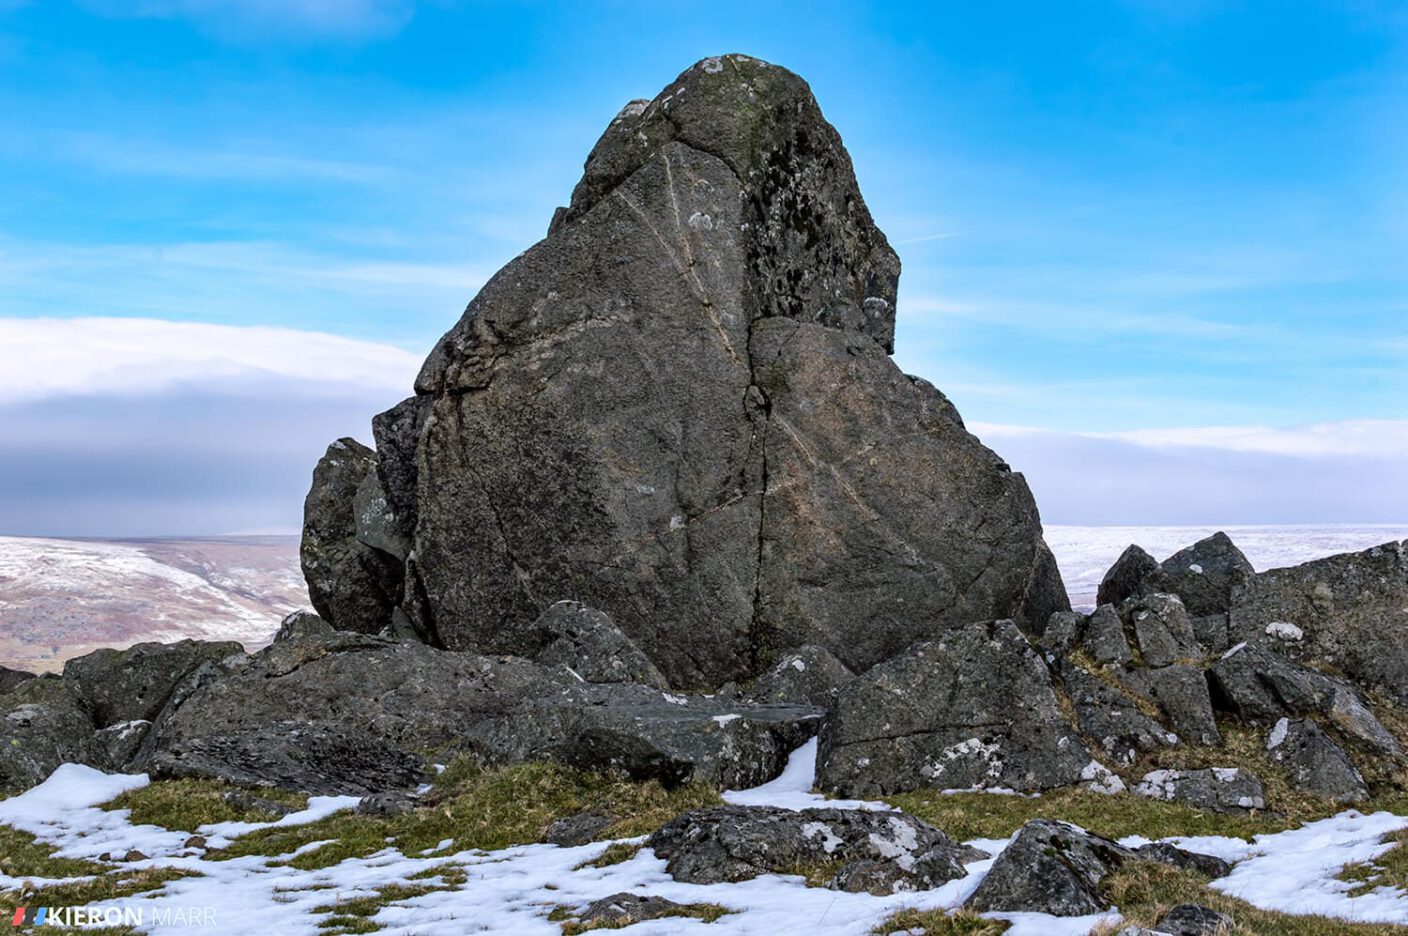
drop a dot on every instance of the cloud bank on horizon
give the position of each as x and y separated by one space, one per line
1157 263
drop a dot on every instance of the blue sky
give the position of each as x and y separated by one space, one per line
1114 218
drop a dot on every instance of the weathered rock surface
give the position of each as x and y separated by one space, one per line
577 829
1111 718
331 711
1162 629
43 724
1316 763
1220 789
873 852
353 586
788 487
1060 869
1175 857
586 641
809 675
1125 579
1349 612
1261 685
10 678
623 909
136 683
974 708
1181 692
1204 575
1104 638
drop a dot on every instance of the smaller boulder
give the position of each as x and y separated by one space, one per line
1105 640
250 802
134 684
871 851
1219 789
121 742
621 910
587 642
1175 857
1193 920
1062 632
43 724
1181 691
10 678
1111 718
1161 628
1204 575
1315 763
809 675
1051 867
302 625
1126 577
386 804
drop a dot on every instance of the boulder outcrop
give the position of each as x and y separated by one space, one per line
786 485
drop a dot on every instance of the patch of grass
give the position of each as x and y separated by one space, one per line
1145 891
21 856
485 808
354 914
940 923
707 912
1388 870
185 805
613 854
113 885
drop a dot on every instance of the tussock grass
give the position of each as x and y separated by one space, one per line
613 854
940 923
21 856
487 808
185 805
1388 870
354 914
1145 891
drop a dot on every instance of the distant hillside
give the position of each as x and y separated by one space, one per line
60 598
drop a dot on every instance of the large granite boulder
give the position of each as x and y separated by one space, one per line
866 851
680 409
974 708
1349 612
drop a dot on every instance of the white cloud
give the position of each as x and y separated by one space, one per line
42 358
1352 437
274 19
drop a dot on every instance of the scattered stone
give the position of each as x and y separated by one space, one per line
621 910
1220 789
135 684
809 675
1126 577
1204 575
1161 628
974 708
1315 762
386 804
1175 857
134 854
579 829
352 585
586 641
875 852
195 841
1105 639
1193 920
1051 867
1351 611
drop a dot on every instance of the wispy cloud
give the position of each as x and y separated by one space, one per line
44 358
1344 438
273 19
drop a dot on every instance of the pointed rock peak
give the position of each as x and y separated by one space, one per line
807 229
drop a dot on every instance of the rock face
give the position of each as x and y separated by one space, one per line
1349 612
873 852
975 708
338 712
679 408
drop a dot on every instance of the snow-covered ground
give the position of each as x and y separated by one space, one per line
512 891
1084 553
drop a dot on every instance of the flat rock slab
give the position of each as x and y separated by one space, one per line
863 851
1220 789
